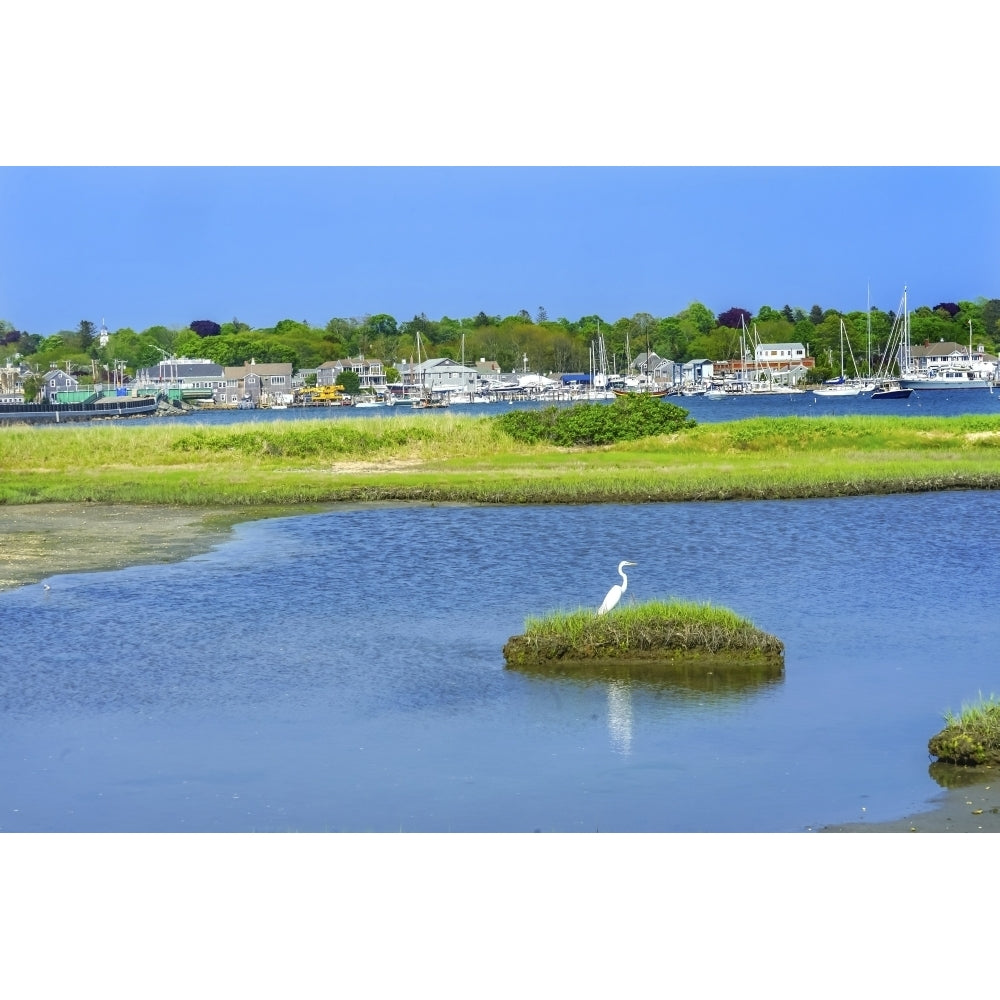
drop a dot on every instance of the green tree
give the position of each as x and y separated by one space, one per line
350 381
700 316
29 343
720 344
32 387
990 316
928 325
233 326
672 340
189 345
381 325
146 355
85 332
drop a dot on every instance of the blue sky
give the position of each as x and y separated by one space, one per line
401 158
138 246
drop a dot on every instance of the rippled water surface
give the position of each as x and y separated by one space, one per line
342 671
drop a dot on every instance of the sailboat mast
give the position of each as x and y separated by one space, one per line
868 305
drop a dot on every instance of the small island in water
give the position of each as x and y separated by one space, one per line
971 738
657 637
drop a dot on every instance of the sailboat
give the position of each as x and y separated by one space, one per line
839 386
644 384
426 400
887 386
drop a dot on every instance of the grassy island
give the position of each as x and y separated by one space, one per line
658 636
972 736
474 459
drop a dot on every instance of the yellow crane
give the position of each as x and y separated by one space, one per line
319 394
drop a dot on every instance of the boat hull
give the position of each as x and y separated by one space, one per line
900 393
945 383
641 392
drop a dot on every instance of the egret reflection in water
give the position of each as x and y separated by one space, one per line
620 716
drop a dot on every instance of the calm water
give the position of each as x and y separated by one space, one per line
342 671
927 403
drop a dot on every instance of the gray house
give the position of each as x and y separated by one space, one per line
697 370
258 384
193 376
441 375
55 381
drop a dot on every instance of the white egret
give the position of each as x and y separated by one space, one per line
615 593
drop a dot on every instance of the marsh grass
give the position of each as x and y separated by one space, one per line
972 736
654 630
471 459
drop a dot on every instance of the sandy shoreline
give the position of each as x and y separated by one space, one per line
972 808
38 541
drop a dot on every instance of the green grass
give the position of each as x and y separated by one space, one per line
655 630
972 736
471 459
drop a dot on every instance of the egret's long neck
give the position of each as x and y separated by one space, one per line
621 573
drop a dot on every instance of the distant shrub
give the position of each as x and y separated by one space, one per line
628 418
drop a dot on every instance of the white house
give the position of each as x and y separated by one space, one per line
779 353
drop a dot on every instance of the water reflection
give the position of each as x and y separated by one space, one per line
620 716
958 775
721 680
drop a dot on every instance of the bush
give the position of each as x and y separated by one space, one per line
628 418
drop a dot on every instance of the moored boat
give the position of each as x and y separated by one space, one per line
947 377
961 373
890 390
659 393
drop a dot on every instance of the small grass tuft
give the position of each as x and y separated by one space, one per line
972 736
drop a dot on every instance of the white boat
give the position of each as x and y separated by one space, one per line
947 377
839 386
956 375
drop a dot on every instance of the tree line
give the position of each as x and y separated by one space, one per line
514 342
